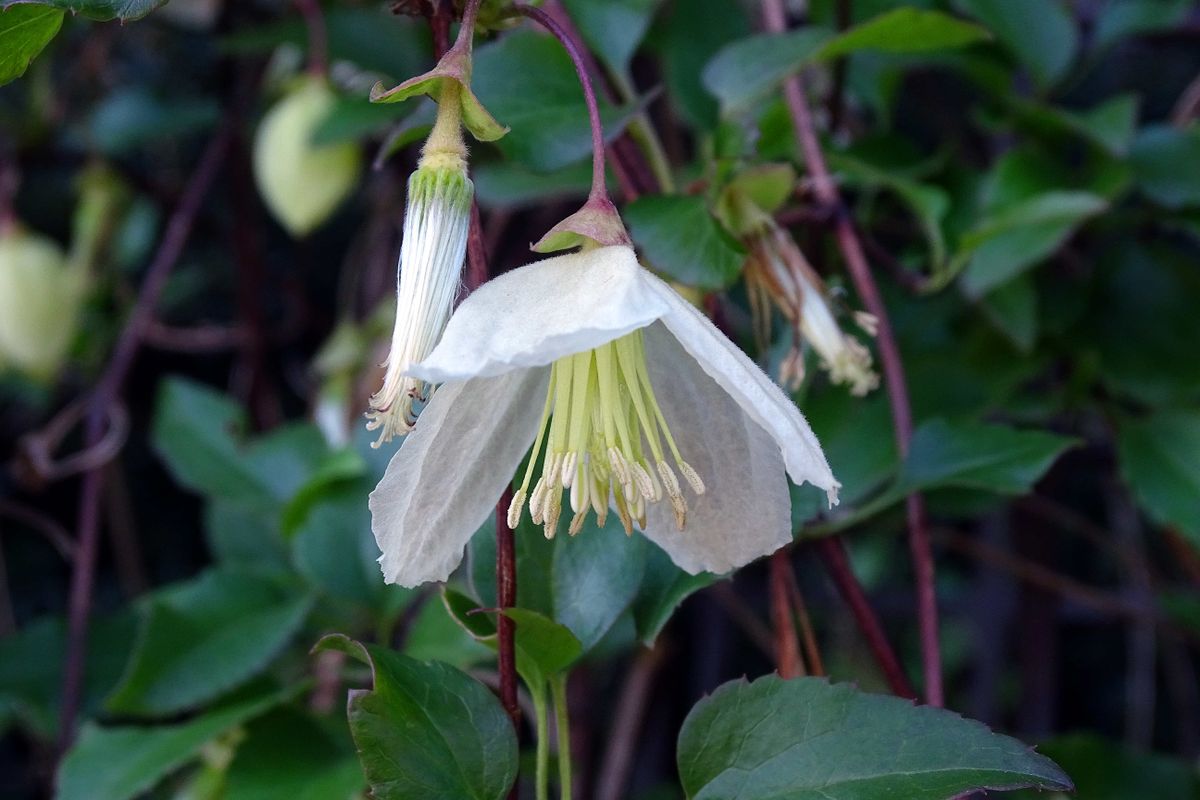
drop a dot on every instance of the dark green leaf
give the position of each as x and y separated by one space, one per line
24 31
1013 308
694 32
427 730
1166 165
1103 770
1012 240
102 10
681 238
287 755
774 740
1121 18
905 30
928 203
503 184
129 119
335 550
1160 458
743 73
664 587
31 669
613 29
201 639
437 635
544 648
979 456
528 83
583 582
197 431
393 45
1040 33
119 763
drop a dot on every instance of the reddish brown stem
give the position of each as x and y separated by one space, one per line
833 554
889 353
627 722
318 39
599 187
787 645
105 395
506 597
812 653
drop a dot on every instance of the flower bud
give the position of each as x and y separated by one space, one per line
40 300
302 183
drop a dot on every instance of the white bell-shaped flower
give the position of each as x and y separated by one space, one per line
631 399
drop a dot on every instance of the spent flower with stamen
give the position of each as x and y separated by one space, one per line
778 275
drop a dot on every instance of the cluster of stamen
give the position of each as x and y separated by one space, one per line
602 433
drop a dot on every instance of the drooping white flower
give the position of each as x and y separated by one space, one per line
631 399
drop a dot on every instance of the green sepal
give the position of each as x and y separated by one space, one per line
598 221
752 194
454 66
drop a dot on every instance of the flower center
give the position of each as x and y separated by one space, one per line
603 435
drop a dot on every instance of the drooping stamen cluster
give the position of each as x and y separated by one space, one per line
777 271
603 436
436 222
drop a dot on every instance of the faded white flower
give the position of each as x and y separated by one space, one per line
631 399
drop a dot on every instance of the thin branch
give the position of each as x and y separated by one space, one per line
102 400
889 352
318 38
812 653
833 554
506 597
599 186
787 645
627 722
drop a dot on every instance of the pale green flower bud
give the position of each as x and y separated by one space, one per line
303 183
40 300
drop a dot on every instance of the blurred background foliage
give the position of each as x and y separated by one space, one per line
1025 175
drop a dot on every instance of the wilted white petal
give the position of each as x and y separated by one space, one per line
745 511
540 312
754 392
445 478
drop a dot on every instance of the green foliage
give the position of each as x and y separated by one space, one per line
426 729
1160 456
613 30
1046 48
805 738
527 81
286 755
200 639
1103 770
679 237
24 31
103 10
121 762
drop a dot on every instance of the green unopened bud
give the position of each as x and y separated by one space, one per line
302 183
40 299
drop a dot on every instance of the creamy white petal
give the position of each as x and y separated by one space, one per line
540 312
745 511
447 475
757 394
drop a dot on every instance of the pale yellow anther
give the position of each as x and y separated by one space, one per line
691 476
514 508
602 428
